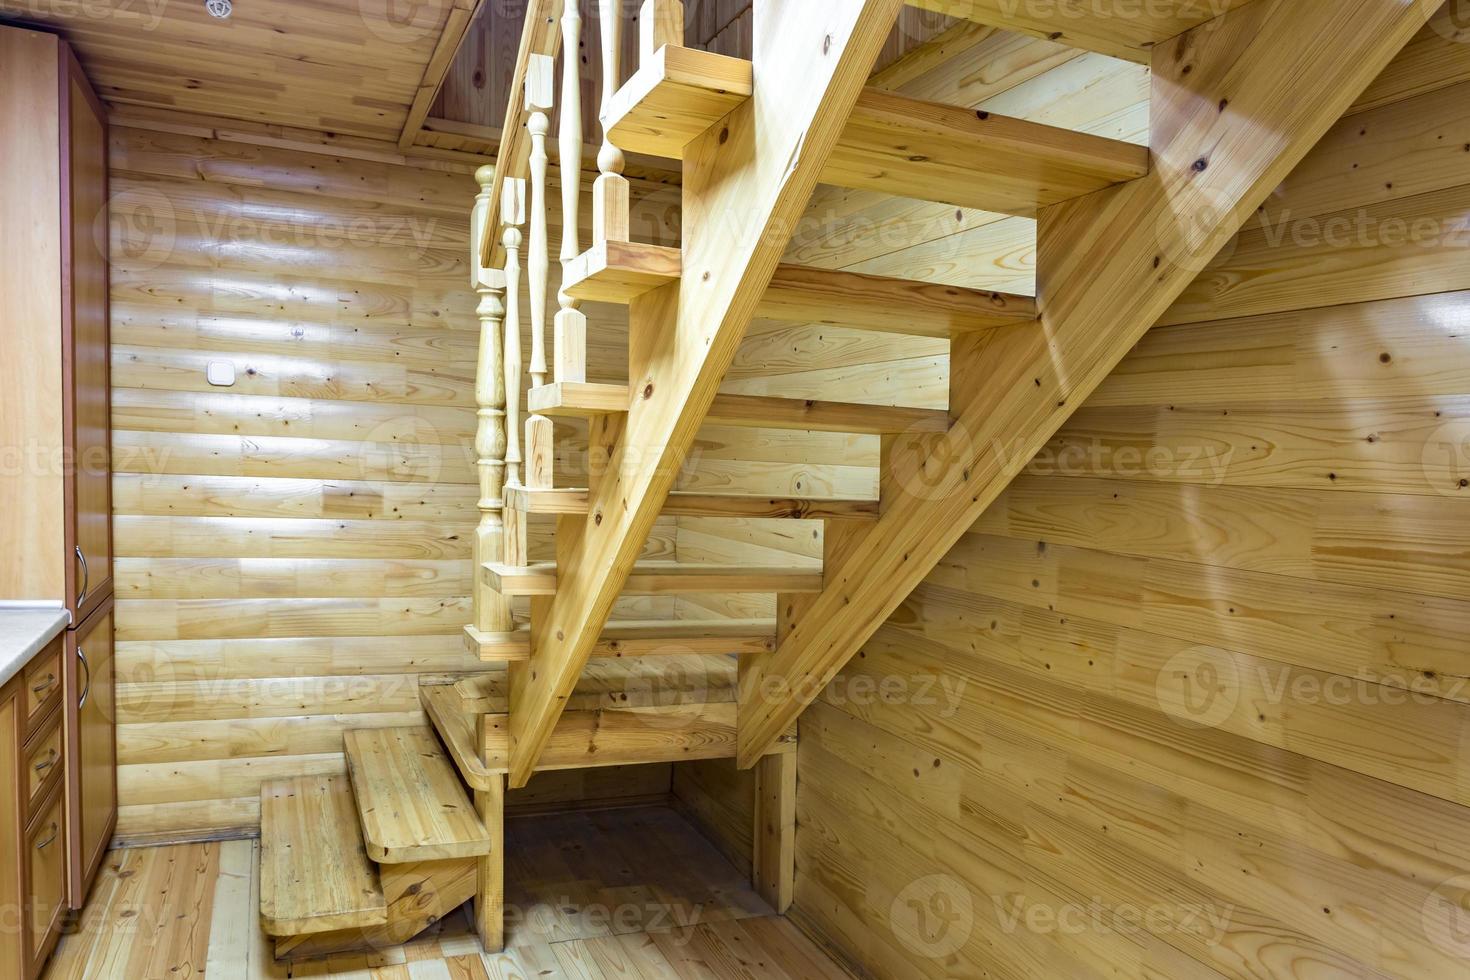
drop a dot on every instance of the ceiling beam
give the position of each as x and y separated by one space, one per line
456 27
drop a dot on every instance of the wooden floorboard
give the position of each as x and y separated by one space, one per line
598 895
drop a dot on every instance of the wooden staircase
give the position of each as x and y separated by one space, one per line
1239 96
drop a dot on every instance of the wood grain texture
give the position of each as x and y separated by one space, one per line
1058 769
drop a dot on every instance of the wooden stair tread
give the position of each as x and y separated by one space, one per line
674 98
892 144
621 712
804 294
1128 31
642 638
410 803
619 272
663 578
315 875
756 411
688 504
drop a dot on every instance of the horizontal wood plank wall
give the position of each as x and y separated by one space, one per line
294 550
1193 698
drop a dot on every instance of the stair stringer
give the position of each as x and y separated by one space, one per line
747 180
419 895
1236 104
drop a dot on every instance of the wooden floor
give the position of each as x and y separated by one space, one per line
607 894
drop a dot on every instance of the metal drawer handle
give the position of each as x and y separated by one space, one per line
45 685
54 831
86 577
87 686
50 761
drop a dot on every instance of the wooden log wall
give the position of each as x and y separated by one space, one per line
293 550
1192 699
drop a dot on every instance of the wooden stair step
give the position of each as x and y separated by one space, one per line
315 875
619 272
756 411
802 294
663 578
892 144
674 98
621 712
652 638
688 504
1129 31
410 803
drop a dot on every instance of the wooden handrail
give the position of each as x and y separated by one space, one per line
542 35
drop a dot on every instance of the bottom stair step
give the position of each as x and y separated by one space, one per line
315 875
410 802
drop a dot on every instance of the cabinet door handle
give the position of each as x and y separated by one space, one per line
87 685
50 761
45 685
55 830
86 577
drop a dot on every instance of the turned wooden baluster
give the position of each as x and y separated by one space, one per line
513 215
610 192
540 82
569 349
492 611
660 22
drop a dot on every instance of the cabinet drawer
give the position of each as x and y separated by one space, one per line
43 762
42 683
45 880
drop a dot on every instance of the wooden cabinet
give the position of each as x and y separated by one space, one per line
56 527
91 749
36 857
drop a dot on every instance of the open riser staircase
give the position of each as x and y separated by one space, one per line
1242 89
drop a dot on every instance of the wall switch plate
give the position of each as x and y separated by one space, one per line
220 373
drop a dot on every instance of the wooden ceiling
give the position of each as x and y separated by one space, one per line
349 67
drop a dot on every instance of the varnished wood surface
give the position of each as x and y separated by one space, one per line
636 893
1303 540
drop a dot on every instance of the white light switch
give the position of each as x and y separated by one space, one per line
221 373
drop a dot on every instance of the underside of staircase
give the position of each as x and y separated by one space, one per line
1240 92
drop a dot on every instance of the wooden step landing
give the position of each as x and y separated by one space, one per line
675 97
622 712
687 504
752 411
639 638
663 578
892 144
410 803
619 272
315 875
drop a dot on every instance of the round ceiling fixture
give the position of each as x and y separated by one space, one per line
219 8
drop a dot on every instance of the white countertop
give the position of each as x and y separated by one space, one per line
24 631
